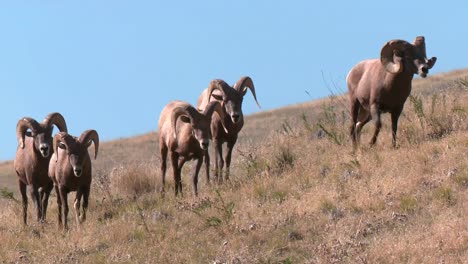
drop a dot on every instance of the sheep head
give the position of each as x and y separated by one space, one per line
200 122
77 148
41 133
231 97
399 55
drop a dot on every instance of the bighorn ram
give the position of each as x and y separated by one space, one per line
70 169
185 133
378 86
32 160
231 100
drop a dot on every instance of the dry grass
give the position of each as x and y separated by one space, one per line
297 194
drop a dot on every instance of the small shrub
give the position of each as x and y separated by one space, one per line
213 221
445 195
287 260
326 206
279 196
7 194
227 208
251 161
332 123
461 180
225 211
284 159
408 204
133 180
261 193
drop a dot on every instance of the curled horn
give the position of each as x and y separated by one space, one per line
23 125
89 136
187 110
55 119
241 85
60 137
420 44
216 107
389 58
219 85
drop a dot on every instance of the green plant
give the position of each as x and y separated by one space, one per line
227 208
331 124
252 162
284 159
408 203
305 122
7 194
213 221
327 206
461 177
445 195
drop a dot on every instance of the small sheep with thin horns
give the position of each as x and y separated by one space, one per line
382 85
32 160
231 100
184 133
71 170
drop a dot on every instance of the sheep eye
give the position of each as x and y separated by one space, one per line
61 145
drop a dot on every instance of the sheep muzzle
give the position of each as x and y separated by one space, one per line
204 144
45 150
77 171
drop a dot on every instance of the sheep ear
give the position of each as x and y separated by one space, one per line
217 97
431 62
185 119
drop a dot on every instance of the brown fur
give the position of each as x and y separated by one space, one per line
373 89
31 165
71 170
192 130
231 99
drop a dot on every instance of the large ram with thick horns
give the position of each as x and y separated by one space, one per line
184 134
32 160
231 100
382 85
71 170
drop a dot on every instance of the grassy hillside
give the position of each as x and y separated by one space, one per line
297 194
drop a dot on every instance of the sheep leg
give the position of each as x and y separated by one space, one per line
36 198
207 165
45 199
86 191
219 162
76 205
354 119
378 123
24 196
64 198
175 169
163 150
180 165
230 147
195 175
59 206
395 115
364 118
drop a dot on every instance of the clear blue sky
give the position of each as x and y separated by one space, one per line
113 65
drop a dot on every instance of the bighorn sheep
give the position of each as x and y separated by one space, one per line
231 99
70 169
32 160
185 133
378 86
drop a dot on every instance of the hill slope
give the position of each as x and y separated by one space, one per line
297 194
